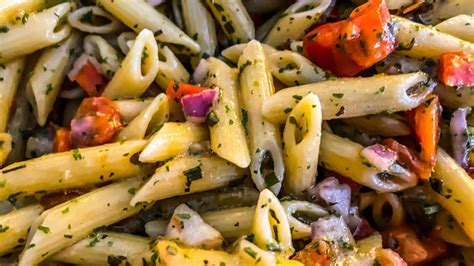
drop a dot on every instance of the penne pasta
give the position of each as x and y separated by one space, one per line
170 68
125 40
103 163
352 97
59 226
48 76
138 69
251 254
41 30
139 15
187 174
293 208
5 147
447 9
131 108
461 26
10 75
256 83
84 17
108 58
420 41
380 125
14 227
234 19
302 136
455 97
231 223
171 140
227 115
11 9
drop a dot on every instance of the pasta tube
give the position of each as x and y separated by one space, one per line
14 227
139 15
138 69
131 108
300 230
352 97
302 136
171 140
10 9
264 137
103 163
48 75
187 174
5 146
455 97
380 125
228 114
60 226
82 18
251 254
170 68
41 30
461 26
231 223
106 55
234 19
10 74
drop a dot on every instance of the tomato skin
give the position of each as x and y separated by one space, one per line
97 121
456 69
90 79
315 253
62 140
347 47
177 91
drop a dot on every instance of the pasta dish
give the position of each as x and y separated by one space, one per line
237 132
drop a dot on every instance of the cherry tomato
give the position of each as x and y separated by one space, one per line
456 69
97 121
62 140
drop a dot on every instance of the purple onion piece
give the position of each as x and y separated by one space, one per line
197 106
337 196
379 156
459 140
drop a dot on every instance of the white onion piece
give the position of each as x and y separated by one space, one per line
379 156
200 72
337 196
459 139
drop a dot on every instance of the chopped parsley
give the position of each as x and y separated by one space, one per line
192 174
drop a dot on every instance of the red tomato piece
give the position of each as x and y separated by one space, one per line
456 69
347 47
177 91
62 140
90 79
315 253
409 159
97 121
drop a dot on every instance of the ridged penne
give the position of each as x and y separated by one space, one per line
139 15
420 41
352 97
10 74
41 30
82 19
296 20
187 174
342 156
138 69
302 136
228 114
171 140
48 76
461 26
108 248
256 83
5 146
102 163
60 226
150 119
234 19
14 227
108 58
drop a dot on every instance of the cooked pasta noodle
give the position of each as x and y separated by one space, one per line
82 19
387 210
10 75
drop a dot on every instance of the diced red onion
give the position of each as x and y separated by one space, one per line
459 140
379 156
80 63
331 228
155 2
197 106
200 72
336 195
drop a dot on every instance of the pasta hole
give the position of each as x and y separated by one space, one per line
145 61
62 23
161 56
301 128
305 217
267 170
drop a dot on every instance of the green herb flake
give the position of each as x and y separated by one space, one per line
192 174
64 211
4 29
44 229
76 155
212 119
183 216
250 252
338 95
3 228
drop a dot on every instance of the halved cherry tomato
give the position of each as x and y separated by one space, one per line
315 253
177 91
424 120
456 69
347 47
90 79
409 159
62 140
97 121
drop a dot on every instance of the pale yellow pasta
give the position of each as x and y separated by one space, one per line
125 39
256 85
451 231
300 230
14 227
170 68
85 166
302 136
139 15
449 8
461 26
229 115
152 117
352 97
234 19
296 20
5 146
82 18
10 74
48 76
384 219
422 41
107 246
231 223
59 226
171 140
41 30
187 174
454 98
131 108
11 9
251 254
108 58
381 125
138 69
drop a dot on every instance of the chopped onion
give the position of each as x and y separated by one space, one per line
80 63
459 139
200 72
197 106
379 156
337 196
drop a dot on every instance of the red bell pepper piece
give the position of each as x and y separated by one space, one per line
62 140
456 69
90 79
177 91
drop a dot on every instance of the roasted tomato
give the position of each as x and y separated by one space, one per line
96 122
177 91
349 46
388 257
456 69
315 253
62 140
90 79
